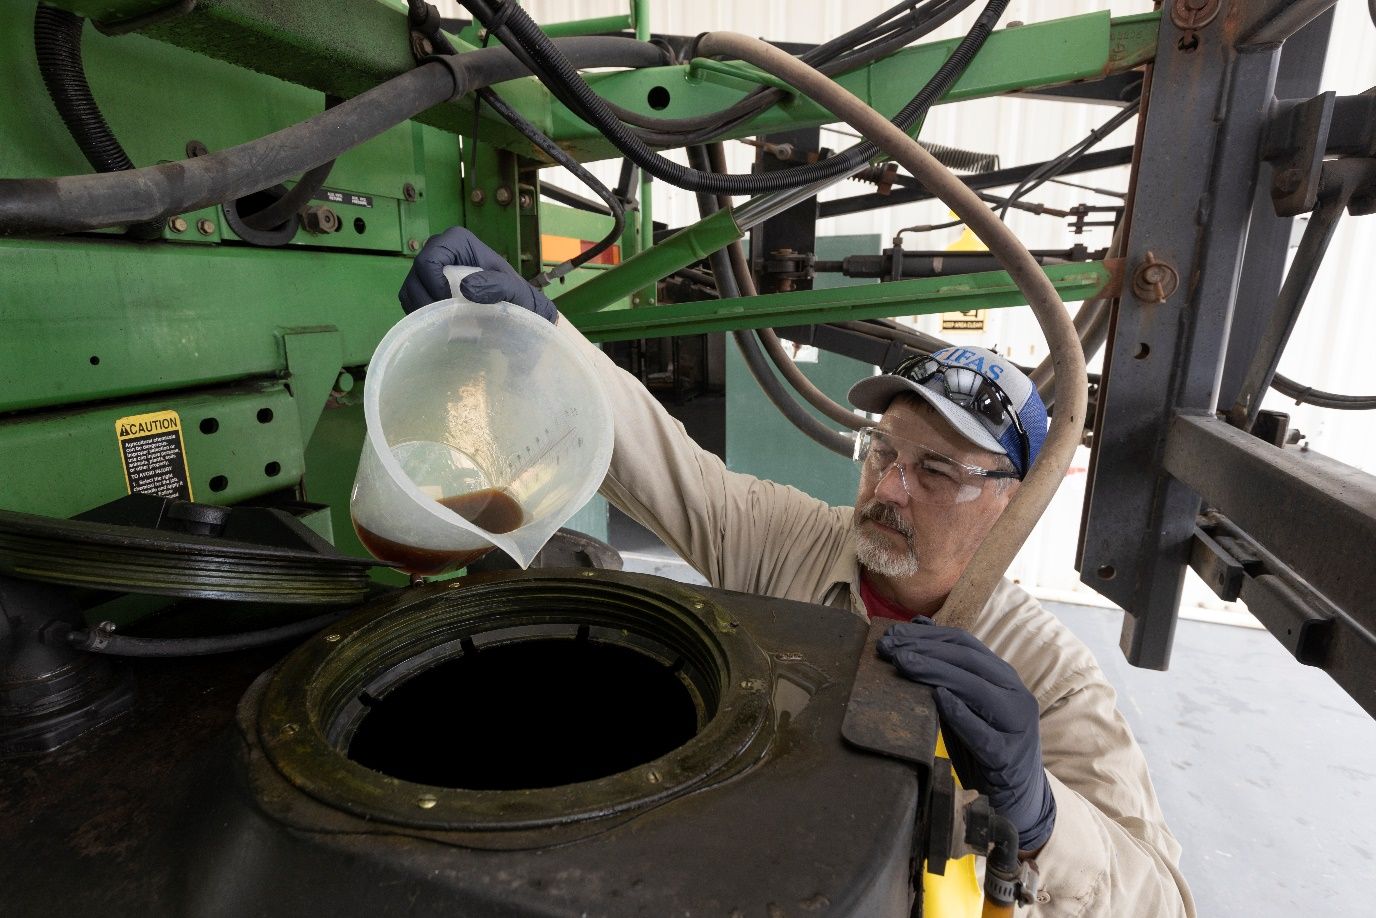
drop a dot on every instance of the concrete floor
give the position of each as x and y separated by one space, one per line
1266 770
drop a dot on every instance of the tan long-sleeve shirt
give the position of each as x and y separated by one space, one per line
1110 853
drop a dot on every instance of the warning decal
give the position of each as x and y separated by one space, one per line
154 456
965 320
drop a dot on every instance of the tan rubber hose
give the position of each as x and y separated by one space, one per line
994 555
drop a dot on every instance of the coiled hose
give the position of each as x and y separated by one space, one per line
57 45
963 160
996 552
515 28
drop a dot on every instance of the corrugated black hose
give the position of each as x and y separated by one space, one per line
514 27
426 19
557 153
57 44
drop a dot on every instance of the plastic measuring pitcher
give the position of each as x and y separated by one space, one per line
486 428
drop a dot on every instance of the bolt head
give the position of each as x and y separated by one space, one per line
408 191
427 801
195 148
177 224
1289 181
1154 281
205 227
320 219
503 196
477 196
526 202
1193 14
413 245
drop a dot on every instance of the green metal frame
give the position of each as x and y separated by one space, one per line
363 42
987 290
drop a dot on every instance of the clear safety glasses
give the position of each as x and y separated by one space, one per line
926 475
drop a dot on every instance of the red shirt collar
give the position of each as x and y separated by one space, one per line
879 607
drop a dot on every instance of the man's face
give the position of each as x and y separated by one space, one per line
898 536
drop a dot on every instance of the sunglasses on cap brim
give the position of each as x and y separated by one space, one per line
973 391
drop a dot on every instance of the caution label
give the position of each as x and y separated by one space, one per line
154 457
965 320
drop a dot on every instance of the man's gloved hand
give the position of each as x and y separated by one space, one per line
989 719
495 282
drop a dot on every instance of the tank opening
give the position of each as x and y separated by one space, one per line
528 714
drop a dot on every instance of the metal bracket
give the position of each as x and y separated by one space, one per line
1237 567
1294 146
314 358
887 714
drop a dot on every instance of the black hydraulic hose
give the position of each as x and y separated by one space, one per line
759 367
514 27
1055 167
280 211
560 156
733 279
1308 395
425 18
154 193
57 45
97 640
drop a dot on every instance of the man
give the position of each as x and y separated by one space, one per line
1027 715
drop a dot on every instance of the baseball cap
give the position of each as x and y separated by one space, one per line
985 397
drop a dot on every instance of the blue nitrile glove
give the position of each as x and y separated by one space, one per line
496 281
990 720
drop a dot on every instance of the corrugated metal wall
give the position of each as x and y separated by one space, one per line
1331 346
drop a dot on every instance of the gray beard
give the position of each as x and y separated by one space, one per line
875 552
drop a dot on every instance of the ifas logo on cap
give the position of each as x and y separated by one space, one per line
992 367
976 358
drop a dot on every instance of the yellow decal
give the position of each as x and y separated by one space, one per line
153 454
965 320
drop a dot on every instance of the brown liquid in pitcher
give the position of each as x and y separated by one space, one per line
492 509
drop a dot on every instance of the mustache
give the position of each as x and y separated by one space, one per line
887 515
